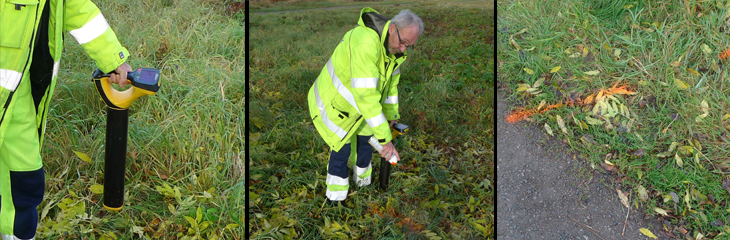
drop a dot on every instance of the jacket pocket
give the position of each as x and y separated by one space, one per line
342 114
17 21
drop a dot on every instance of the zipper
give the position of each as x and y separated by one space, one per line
353 125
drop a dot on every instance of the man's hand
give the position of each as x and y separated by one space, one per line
388 150
119 76
392 122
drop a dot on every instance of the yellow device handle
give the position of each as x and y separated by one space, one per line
122 99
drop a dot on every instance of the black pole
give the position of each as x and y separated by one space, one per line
115 157
384 173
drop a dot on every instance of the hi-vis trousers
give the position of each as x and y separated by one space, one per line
359 152
21 174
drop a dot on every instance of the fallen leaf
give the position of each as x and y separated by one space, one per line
717 223
548 129
592 73
521 32
538 83
528 71
661 211
608 167
726 184
675 64
585 52
589 100
678 159
561 124
647 233
643 195
706 49
617 52
513 43
83 156
624 197
542 104
693 72
639 153
97 189
681 84
705 109
555 69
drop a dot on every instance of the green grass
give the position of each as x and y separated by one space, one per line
635 47
443 186
185 148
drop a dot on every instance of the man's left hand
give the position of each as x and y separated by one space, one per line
119 76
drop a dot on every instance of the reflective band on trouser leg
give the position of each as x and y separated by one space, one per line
21 182
9 79
391 100
337 174
376 121
322 112
10 237
91 30
363 167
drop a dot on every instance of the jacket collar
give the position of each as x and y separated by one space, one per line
372 19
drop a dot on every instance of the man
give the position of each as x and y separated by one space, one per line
31 44
356 95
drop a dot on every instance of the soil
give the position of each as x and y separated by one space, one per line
545 192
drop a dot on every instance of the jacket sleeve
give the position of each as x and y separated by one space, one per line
90 29
364 82
390 104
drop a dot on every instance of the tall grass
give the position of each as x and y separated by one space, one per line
184 175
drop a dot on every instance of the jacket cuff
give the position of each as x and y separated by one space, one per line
117 60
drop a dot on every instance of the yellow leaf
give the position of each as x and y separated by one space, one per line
693 72
617 52
528 71
725 117
642 193
97 189
83 156
592 73
521 31
585 52
605 46
538 83
678 159
706 49
522 87
513 43
675 64
548 129
561 124
542 104
555 69
647 233
661 211
624 198
681 84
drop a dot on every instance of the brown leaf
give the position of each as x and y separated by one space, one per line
624 197
607 167
682 230
726 185
717 223
639 153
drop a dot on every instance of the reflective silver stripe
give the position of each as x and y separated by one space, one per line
327 122
340 87
376 121
336 195
359 171
56 65
12 237
335 180
391 100
397 71
363 181
91 30
9 79
364 82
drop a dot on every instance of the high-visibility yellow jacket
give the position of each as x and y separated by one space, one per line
31 43
358 83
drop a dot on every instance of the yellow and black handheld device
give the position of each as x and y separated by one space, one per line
145 81
398 129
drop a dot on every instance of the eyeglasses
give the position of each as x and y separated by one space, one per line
412 46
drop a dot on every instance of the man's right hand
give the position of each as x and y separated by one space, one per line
388 150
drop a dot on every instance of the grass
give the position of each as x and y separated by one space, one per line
185 150
666 52
443 188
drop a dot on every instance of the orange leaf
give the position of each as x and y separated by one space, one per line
588 100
